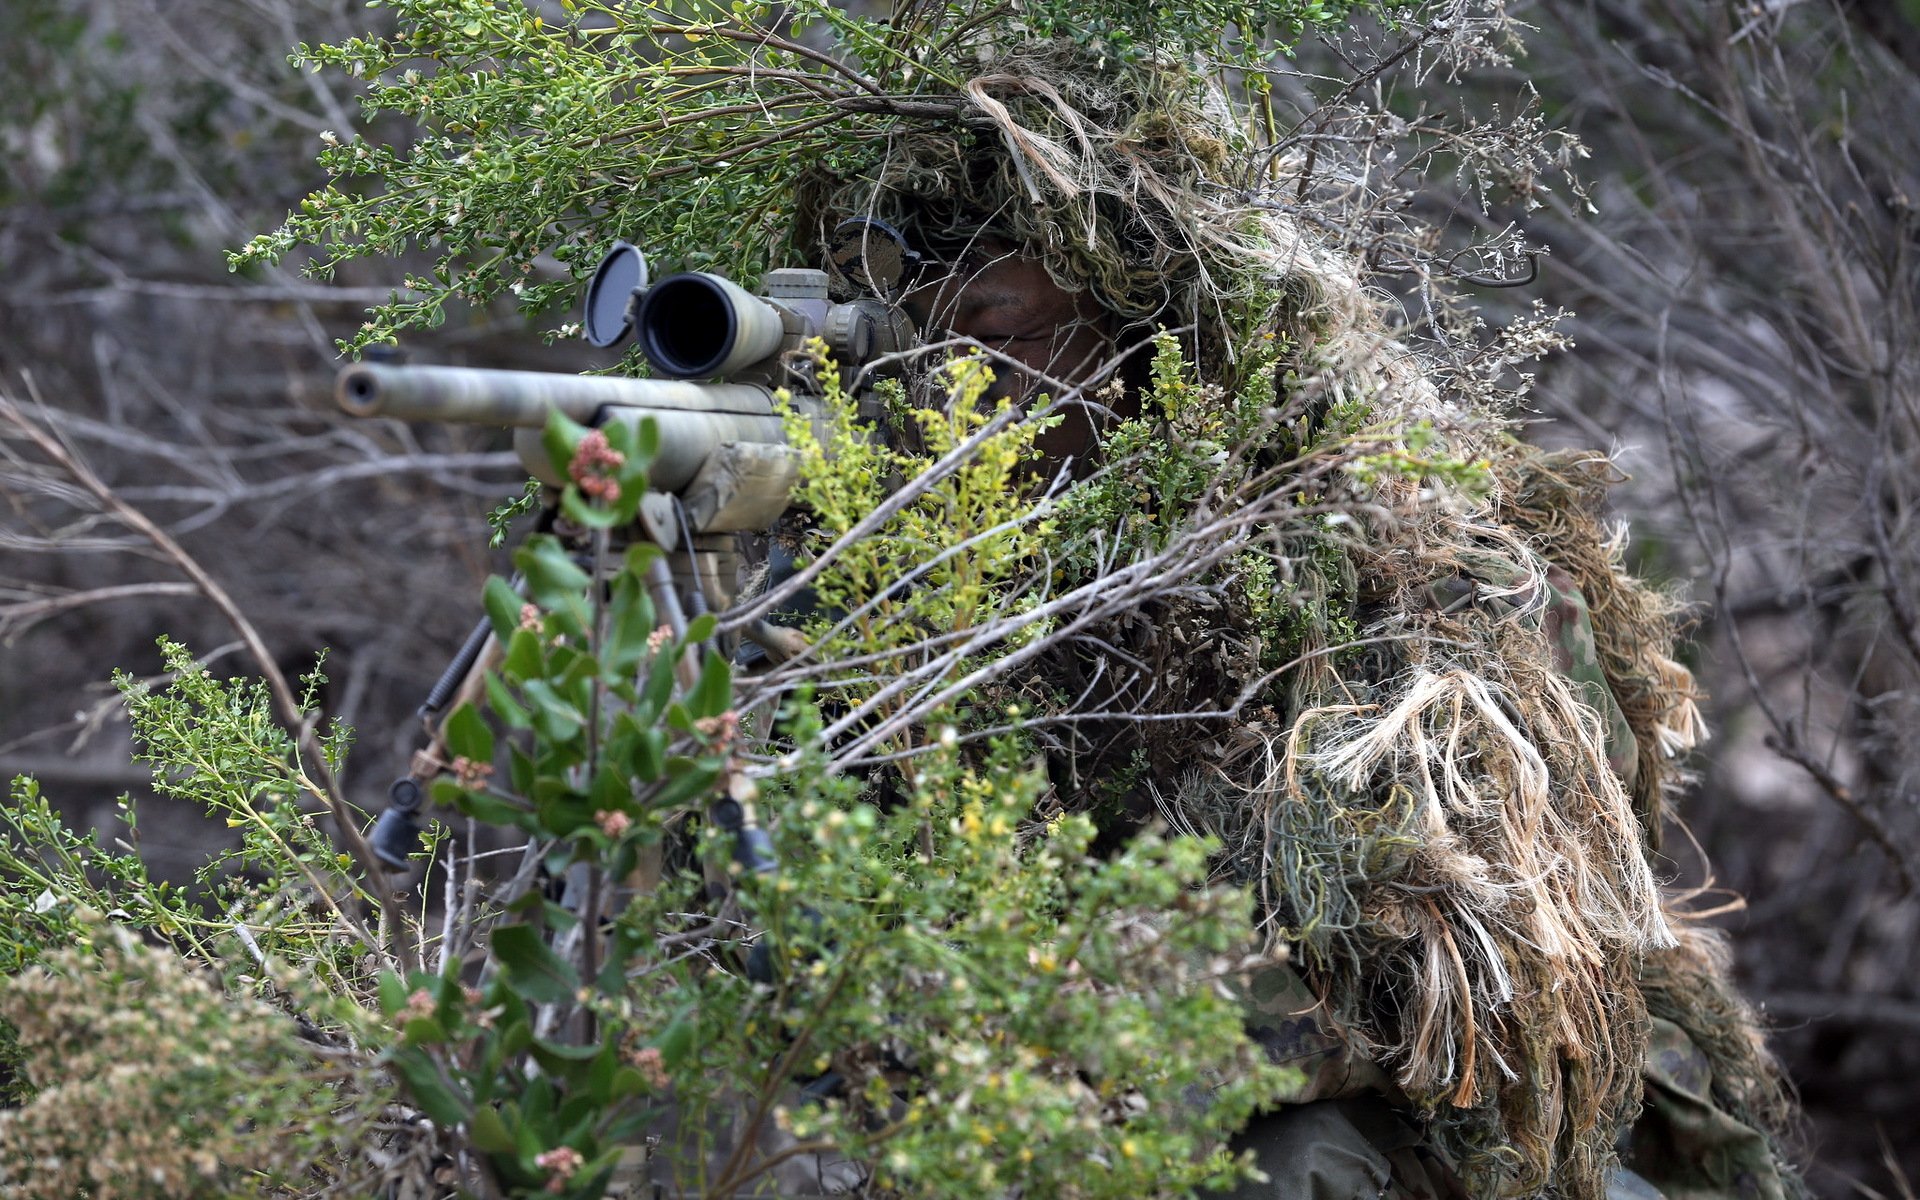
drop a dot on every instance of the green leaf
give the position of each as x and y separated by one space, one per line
561 438
548 700
520 769
561 1052
621 948
676 1042
578 1110
659 683
516 1035
561 856
536 971
436 1097
576 678
626 1082
501 701
571 1063
626 1129
646 443
468 735
649 754
525 660
485 807
538 1104
626 856
425 1031
555 580
687 785
561 811
393 993
630 624
591 516
713 693
610 789
599 1081
556 917
596 1177
503 606
700 628
554 717
489 1132
640 556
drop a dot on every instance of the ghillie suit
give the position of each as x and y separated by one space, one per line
1432 721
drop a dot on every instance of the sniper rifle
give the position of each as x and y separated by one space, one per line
719 355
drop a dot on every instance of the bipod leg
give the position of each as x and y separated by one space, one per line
396 835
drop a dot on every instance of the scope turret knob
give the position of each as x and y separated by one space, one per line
850 333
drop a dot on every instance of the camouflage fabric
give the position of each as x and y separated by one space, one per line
1342 1150
1685 1145
1285 1017
1341 1132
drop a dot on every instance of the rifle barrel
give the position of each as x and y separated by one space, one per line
693 419
524 398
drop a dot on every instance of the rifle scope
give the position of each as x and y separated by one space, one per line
698 325
702 326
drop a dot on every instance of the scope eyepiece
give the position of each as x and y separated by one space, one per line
698 326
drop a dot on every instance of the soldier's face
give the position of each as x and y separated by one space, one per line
1050 341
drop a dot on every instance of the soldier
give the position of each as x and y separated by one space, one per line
1508 1067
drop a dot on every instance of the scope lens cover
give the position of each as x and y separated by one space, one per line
610 294
868 257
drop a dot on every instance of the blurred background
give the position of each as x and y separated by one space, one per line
1741 273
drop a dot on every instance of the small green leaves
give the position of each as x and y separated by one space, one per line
942 928
502 517
533 135
951 560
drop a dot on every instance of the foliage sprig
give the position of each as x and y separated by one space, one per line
522 145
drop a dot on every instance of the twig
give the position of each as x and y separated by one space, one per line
1891 1012
17 618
